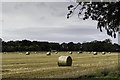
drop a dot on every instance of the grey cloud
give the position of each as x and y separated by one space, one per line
54 34
46 21
43 17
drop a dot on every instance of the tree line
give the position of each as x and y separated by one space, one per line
27 45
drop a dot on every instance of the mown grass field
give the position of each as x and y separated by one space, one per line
38 65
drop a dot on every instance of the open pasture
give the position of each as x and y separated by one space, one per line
39 65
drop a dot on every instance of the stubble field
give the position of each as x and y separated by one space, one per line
39 65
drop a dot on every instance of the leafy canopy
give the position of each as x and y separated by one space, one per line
106 13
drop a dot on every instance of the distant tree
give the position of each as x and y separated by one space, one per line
71 46
54 46
12 46
26 43
93 46
64 47
106 13
77 47
44 46
108 41
0 44
116 47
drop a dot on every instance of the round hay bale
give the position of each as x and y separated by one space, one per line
79 52
70 52
4 52
64 61
103 53
48 53
95 53
27 53
56 52
88 52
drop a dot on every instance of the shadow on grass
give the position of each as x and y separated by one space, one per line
106 74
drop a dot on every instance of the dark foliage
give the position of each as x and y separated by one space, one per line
106 13
26 45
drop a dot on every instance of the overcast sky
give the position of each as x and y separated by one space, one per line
46 21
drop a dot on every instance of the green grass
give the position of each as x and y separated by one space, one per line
38 65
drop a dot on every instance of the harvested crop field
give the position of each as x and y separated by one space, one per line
39 65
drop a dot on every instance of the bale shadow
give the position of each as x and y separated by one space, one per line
5 70
76 66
